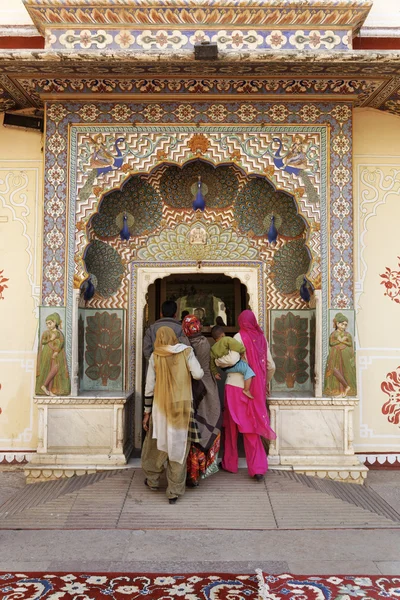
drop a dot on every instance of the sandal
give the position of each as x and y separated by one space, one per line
153 489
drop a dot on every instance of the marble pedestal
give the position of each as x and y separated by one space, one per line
315 437
80 434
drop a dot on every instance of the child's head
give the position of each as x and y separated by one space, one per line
217 332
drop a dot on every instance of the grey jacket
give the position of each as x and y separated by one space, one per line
150 335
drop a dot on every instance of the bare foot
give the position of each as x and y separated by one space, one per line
248 394
346 391
46 391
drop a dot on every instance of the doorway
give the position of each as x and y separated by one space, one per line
212 297
145 303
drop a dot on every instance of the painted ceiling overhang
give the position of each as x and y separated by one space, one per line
283 50
28 78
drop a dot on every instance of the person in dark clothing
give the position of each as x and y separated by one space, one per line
168 319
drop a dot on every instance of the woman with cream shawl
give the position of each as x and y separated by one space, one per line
168 399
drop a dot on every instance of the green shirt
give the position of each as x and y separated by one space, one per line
222 348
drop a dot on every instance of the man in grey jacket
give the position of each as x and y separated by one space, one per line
168 319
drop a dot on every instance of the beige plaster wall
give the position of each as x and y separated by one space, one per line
21 218
377 246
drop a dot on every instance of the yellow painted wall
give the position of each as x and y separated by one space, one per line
21 224
377 246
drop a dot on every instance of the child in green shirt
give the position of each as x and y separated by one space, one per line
223 345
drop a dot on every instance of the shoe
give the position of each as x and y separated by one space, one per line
153 489
259 477
191 483
172 500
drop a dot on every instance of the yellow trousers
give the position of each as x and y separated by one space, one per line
154 462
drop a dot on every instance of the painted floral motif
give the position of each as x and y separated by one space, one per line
199 37
246 113
3 284
121 112
55 239
153 112
278 112
56 112
341 239
276 40
341 175
217 112
85 39
391 281
56 174
149 39
55 207
56 143
125 39
89 112
341 208
391 387
52 299
341 113
341 144
314 40
342 271
185 112
53 271
309 113
238 39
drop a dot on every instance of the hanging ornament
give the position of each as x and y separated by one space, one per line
199 203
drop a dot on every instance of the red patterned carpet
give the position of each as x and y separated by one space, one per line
119 586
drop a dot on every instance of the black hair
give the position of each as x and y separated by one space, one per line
169 308
216 331
184 314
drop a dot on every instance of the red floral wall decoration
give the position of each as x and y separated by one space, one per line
391 387
391 281
3 284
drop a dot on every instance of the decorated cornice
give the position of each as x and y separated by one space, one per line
66 14
31 77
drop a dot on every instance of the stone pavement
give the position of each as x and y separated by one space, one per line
111 522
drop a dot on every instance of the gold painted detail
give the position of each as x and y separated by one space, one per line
206 242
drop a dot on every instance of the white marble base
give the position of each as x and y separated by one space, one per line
79 433
315 437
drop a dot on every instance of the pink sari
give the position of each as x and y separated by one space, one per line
251 416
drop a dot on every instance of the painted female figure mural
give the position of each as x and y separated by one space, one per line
52 377
340 375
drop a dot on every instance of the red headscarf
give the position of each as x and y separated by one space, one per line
191 325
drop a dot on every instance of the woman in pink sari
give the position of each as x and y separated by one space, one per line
249 416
